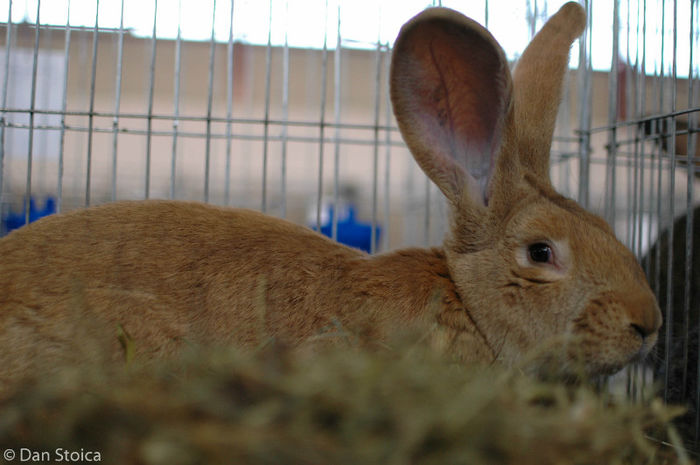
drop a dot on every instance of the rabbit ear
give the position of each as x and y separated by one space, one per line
538 79
450 88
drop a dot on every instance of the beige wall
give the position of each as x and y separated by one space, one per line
406 188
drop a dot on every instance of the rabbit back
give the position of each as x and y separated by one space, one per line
166 272
172 273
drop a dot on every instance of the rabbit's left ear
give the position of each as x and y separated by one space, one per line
538 79
451 92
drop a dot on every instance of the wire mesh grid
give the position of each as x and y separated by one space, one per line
117 115
99 110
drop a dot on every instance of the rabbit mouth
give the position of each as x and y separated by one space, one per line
648 344
609 362
582 357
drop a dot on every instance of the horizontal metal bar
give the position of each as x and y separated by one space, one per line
204 119
636 122
142 132
654 137
63 28
203 135
213 119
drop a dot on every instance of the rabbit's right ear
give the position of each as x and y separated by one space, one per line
451 91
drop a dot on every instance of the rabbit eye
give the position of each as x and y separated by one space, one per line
540 252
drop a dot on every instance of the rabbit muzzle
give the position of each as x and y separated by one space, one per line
615 330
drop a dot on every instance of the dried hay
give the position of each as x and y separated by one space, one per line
337 407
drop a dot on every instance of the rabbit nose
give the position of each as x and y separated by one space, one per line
644 332
644 314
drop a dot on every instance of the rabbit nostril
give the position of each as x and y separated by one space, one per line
641 330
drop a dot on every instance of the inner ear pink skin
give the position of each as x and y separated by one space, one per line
450 92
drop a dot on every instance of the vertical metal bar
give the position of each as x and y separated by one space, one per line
632 187
176 100
210 100
8 46
229 108
375 154
64 106
117 101
266 123
641 107
633 166
655 198
322 123
531 17
669 310
640 187
285 110
91 112
672 198
32 106
387 154
151 88
486 14
613 104
584 88
336 105
8 42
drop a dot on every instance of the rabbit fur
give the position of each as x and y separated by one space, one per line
171 273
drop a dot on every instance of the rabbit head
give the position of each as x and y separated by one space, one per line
531 266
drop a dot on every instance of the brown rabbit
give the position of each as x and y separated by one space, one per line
522 267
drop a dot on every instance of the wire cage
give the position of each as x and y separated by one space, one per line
283 106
